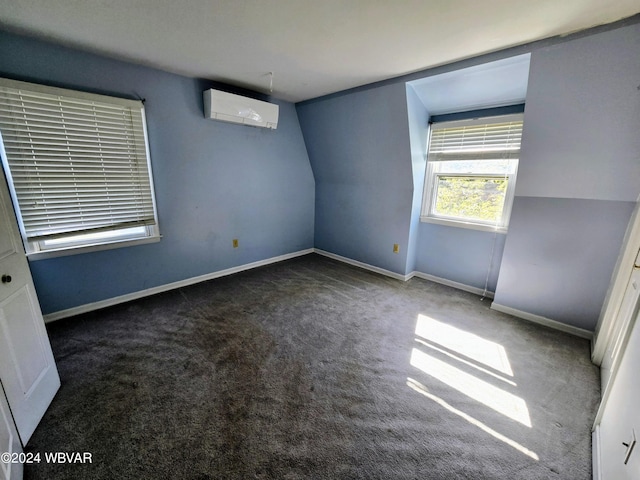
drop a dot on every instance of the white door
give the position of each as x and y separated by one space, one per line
9 443
620 332
619 428
27 369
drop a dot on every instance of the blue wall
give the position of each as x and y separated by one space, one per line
460 254
579 177
213 181
559 257
359 150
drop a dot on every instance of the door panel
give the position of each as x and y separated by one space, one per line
20 332
27 369
620 334
9 441
7 246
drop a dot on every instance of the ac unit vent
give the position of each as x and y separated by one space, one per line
228 107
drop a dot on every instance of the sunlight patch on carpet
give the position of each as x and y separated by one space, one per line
493 397
472 346
466 362
420 388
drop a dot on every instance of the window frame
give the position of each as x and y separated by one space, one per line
121 235
432 174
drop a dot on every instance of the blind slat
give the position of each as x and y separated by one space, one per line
50 125
62 145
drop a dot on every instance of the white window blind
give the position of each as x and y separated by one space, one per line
78 162
484 138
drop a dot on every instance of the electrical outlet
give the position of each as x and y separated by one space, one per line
235 243
396 248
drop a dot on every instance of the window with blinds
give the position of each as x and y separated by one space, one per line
471 172
78 168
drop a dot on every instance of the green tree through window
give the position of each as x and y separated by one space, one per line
478 198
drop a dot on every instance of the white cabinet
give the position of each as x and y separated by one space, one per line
620 417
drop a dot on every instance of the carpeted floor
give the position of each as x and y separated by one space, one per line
312 369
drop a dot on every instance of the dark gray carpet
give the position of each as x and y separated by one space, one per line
303 370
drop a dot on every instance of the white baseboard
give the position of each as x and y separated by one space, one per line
366 266
579 332
50 317
404 278
547 322
595 453
451 283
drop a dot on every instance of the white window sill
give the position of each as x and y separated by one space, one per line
462 224
62 252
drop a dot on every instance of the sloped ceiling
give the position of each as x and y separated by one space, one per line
493 84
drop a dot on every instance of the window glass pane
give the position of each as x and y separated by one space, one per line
470 198
96 237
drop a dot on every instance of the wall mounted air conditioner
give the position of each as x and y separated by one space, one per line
228 107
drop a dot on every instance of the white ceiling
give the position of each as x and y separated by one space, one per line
313 47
